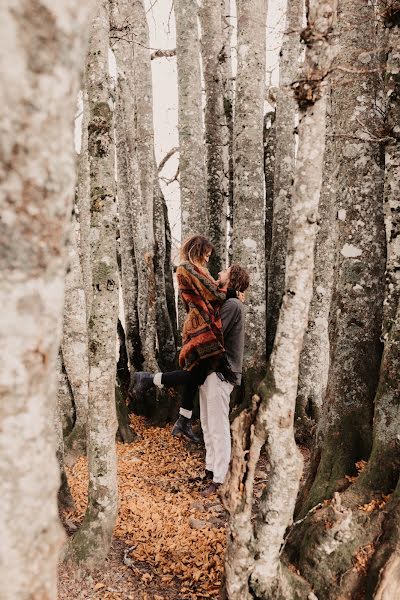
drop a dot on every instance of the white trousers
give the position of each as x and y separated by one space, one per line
214 416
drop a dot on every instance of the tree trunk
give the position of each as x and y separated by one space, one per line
38 94
253 564
216 132
83 202
192 164
345 431
269 175
129 276
248 216
74 347
315 354
91 543
228 100
285 122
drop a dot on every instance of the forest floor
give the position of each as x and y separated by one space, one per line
169 541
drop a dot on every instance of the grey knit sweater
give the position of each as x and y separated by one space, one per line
232 315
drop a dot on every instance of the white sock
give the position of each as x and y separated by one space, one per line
157 380
185 413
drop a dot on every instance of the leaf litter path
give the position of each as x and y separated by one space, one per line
177 538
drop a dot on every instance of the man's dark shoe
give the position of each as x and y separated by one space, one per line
183 428
210 490
143 382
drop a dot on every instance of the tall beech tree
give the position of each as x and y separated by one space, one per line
192 160
253 558
248 209
44 52
345 428
216 132
285 122
92 541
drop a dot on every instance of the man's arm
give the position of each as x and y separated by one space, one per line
230 314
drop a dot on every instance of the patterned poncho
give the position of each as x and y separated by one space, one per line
202 330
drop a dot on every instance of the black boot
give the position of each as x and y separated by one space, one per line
183 428
143 382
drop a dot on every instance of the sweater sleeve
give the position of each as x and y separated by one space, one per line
230 314
218 294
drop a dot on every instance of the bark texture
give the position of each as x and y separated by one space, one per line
285 122
346 425
43 49
253 562
192 162
74 347
92 541
315 354
248 213
216 131
83 204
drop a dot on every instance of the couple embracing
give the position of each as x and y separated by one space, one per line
211 357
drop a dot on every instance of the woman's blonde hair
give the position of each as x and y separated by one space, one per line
194 248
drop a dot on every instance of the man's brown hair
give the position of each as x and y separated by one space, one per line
194 248
239 278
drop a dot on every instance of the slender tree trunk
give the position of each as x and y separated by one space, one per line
346 423
216 132
249 216
253 565
75 350
285 122
158 320
44 44
192 162
269 175
129 275
315 354
65 500
228 100
92 541
83 202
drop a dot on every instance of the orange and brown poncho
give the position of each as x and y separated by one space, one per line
202 330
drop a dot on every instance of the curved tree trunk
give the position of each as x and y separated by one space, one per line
346 423
253 563
216 132
92 541
192 162
285 122
38 94
248 215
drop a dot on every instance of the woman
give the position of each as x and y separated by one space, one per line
202 339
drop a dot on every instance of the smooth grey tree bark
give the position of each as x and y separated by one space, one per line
253 558
75 349
345 432
228 100
248 214
285 150
83 203
216 131
91 543
192 161
315 354
43 46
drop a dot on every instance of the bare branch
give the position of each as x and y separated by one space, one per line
166 158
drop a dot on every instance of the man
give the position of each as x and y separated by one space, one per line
216 390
